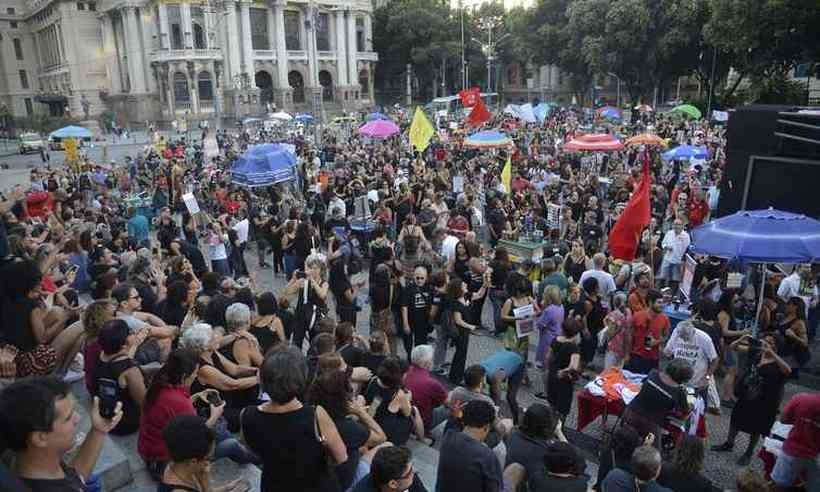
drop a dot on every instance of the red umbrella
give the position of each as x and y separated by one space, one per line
594 142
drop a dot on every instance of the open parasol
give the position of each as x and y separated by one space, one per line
379 129
646 139
488 139
688 110
595 142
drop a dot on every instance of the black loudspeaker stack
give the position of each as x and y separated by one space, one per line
772 160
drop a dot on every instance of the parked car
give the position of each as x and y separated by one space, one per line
31 142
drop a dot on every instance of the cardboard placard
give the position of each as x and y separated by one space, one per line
190 203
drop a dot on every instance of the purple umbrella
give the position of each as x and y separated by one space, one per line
379 129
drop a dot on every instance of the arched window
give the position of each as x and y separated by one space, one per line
205 86
265 84
181 93
326 81
297 83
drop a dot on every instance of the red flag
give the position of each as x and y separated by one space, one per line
470 97
626 234
479 114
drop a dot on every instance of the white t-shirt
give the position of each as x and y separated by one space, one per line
699 352
134 324
448 247
606 284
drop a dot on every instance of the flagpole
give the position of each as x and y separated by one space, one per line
463 63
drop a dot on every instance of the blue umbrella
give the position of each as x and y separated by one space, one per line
376 116
760 236
264 165
685 152
304 118
71 132
610 113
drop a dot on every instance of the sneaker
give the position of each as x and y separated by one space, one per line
722 448
540 395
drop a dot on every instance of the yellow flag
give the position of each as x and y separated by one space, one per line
70 147
506 176
421 131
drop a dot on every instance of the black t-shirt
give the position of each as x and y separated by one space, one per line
352 355
683 482
417 301
373 361
438 299
467 464
354 435
16 327
71 483
545 482
657 399
561 354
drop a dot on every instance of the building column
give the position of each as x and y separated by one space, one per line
135 69
187 25
284 94
167 72
368 33
164 39
232 40
271 29
193 87
352 65
341 49
149 32
207 21
310 47
247 47
110 51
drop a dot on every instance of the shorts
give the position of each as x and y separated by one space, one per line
729 359
669 271
788 470
39 361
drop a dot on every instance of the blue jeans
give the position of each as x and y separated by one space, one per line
221 266
229 447
788 469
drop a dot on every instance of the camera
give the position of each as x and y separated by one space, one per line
300 274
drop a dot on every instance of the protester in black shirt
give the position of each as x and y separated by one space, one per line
415 308
465 462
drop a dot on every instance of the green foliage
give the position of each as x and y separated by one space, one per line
778 89
764 38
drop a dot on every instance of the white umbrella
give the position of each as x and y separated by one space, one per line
281 115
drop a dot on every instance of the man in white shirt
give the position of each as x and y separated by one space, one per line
675 243
606 283
448 244
798 284
695 347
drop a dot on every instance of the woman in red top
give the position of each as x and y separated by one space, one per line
169 396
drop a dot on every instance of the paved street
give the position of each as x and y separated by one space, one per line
719 467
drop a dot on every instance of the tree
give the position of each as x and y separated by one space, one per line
422 33
763 38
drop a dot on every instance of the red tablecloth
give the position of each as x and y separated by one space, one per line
768 462
590 407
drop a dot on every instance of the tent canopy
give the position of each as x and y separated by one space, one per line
71 131
760 236
264 165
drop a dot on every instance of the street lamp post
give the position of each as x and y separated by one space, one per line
618 96
490 23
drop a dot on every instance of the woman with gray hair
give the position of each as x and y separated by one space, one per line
293 440
244 348
237 384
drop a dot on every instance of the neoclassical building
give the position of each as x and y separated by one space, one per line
162 60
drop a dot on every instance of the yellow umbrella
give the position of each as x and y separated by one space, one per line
646 139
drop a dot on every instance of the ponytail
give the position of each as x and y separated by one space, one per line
180 364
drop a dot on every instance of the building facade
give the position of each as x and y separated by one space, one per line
164 60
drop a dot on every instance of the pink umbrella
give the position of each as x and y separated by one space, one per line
379 129
594 142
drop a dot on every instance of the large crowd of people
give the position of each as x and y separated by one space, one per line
140 275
